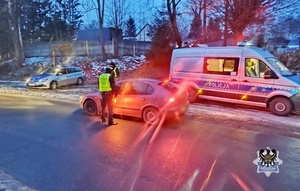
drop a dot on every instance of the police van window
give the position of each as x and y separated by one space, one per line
262 68
192 65
255 68
221 66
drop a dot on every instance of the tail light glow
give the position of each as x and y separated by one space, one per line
171 100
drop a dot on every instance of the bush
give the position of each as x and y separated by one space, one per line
160 56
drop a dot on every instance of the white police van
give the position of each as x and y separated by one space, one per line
52 78
242 75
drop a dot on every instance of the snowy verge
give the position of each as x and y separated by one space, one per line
201 111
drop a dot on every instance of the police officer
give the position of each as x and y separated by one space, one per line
106 84
115 70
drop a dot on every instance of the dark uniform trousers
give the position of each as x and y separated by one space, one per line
107 100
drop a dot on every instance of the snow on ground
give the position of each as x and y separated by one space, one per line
244 114
93 67
124 63
198 110
201 111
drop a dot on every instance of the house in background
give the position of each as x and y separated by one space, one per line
144 34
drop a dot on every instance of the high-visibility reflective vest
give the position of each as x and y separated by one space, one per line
104 84
115 72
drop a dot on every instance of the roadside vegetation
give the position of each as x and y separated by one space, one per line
173 24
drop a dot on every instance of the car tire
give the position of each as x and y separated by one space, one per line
151 115
79 81
192 94
53 85
90 107
281 106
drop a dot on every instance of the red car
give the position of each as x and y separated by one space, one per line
144 98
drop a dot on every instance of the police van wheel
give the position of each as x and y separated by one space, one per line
90 107
281 106
192 94
53 85
79 81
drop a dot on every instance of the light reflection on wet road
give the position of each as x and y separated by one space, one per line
54 146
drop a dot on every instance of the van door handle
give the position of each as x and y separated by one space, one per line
245 81
143 99
233 80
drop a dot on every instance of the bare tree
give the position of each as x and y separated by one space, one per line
118 12
100 11
240 14
198 9
172 12
14 11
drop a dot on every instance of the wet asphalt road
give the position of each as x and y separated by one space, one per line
52 145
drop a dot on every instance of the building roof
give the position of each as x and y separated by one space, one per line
143 34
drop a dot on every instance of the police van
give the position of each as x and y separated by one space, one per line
241 75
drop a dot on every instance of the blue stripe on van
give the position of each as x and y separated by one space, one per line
255 89
209 84
234 87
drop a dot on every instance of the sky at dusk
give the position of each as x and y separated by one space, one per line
141 11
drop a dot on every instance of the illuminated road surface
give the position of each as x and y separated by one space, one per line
51 145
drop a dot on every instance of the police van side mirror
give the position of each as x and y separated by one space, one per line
269 74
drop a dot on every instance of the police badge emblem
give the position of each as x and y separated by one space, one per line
267 161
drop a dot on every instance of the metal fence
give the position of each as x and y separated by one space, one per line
83 48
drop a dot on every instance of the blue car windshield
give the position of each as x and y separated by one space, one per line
279 67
